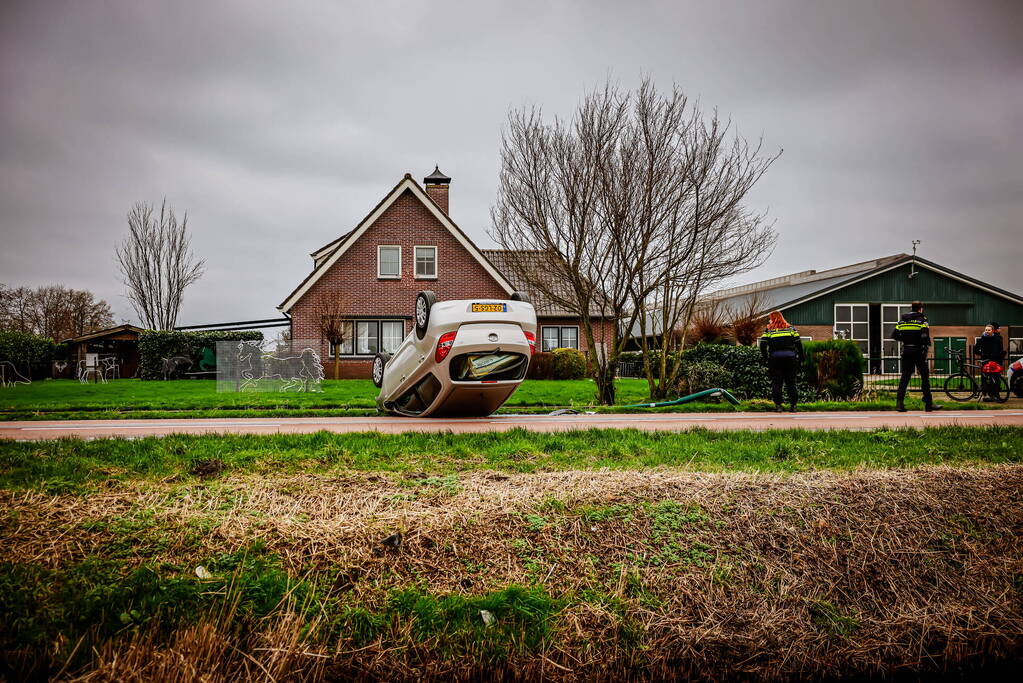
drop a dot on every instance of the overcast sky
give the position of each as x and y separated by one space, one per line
278 126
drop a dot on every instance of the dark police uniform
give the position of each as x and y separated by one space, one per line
783 351
915 335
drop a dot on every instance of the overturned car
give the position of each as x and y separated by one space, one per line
463 358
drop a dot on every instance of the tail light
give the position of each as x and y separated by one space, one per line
444 345
531 338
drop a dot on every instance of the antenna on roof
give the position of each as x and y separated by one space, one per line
912 267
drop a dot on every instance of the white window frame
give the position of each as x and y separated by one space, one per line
1010 358
561 339
348 341
805 339
852 306
415 264
892 359
380 275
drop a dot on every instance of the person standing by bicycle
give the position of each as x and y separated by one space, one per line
990 353
914 333
783 351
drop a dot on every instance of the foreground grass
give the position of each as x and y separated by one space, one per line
578 574
73 464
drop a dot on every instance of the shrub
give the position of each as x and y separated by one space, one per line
834 368
703 375
748 374
30 353
569 364
154 346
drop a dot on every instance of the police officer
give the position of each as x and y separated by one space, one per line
783 351
913 332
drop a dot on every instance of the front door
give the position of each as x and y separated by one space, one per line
943 349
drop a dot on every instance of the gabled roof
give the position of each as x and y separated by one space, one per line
117 329
512 262
326 256
792 290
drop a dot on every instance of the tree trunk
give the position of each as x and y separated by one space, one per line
337 363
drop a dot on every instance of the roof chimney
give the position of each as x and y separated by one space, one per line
437 187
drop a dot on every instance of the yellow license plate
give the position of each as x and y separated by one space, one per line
489 308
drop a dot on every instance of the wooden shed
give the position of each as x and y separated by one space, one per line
120 342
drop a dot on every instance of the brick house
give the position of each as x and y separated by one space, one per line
407 243
863 301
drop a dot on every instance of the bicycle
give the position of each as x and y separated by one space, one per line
962 385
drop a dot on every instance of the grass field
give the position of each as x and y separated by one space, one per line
132 399
597 554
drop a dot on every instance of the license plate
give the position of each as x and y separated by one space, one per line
490 308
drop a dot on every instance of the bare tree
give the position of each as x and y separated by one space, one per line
637 203
157 264
53 311
335 326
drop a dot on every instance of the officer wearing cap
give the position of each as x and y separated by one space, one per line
914 333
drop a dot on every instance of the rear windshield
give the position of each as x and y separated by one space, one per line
418 398
489 366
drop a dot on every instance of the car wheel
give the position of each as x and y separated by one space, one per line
521 296
424 303
379 363
1017 384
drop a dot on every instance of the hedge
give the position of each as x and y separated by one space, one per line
569 364
154 346
834 368
30 353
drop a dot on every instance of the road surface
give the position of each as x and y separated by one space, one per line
95 429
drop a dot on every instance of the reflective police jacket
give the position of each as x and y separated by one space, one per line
913 332
781 343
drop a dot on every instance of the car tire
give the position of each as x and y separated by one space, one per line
521 296
1017 384
424 304
379 363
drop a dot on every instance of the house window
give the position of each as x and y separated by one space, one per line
559 337
1015 351
389 261
367 337
346 340
890 352
426 263
391 332
852 322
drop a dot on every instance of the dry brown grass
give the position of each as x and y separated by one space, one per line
748 576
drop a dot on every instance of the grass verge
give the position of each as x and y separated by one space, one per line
73 464
572 574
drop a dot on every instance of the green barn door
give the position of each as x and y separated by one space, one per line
943 348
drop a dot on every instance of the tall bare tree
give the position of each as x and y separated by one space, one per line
157 263
335 325
637 203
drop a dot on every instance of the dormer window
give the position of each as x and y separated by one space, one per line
389 261
426 263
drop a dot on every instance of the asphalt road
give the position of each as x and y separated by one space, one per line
94 429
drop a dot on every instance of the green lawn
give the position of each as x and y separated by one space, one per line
201 395
135 399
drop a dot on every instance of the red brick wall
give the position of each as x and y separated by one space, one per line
439 194
408 223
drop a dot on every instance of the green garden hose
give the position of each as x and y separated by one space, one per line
686 399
